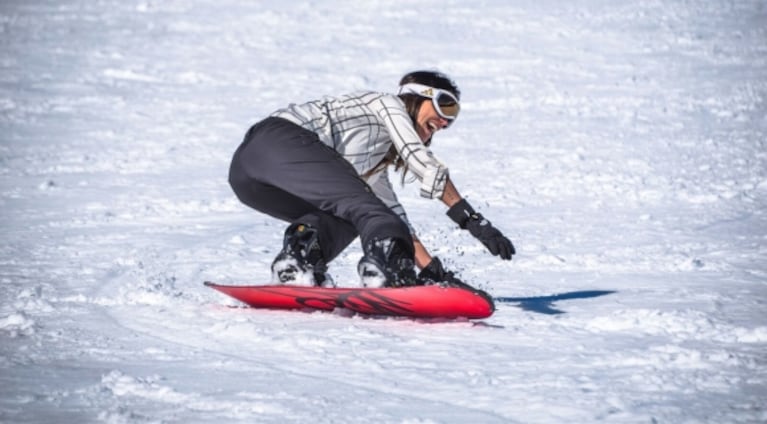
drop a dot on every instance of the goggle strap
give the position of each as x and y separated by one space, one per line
424 90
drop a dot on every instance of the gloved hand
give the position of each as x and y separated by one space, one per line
438 274
479 227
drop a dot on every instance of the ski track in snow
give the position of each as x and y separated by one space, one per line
622 147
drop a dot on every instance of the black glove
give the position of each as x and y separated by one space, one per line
438 274
435 272
465 216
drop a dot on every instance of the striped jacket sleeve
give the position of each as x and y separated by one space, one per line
420 160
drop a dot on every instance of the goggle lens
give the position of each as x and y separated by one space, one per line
446 105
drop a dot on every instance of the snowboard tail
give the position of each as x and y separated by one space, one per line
431 301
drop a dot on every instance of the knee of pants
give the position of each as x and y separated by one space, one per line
382 226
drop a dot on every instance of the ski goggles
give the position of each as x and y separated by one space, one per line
445 103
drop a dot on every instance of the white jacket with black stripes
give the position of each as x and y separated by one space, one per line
362 127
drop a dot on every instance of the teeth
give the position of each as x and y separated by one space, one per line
433 126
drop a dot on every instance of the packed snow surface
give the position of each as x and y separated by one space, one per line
622 146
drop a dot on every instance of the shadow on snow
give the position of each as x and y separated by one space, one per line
545 304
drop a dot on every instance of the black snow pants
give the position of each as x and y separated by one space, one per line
286 172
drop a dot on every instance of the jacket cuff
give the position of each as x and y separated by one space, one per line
433 182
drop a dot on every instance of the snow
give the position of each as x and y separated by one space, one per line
621 145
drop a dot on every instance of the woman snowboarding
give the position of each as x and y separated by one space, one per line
323 167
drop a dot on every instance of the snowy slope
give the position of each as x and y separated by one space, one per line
621 145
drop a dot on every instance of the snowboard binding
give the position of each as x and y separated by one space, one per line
300 261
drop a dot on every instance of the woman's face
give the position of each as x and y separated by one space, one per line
428 122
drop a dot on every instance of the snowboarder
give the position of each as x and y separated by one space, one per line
323 166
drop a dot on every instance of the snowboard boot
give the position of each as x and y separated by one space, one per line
300 262
387 263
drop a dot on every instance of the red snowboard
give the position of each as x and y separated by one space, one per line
433 301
